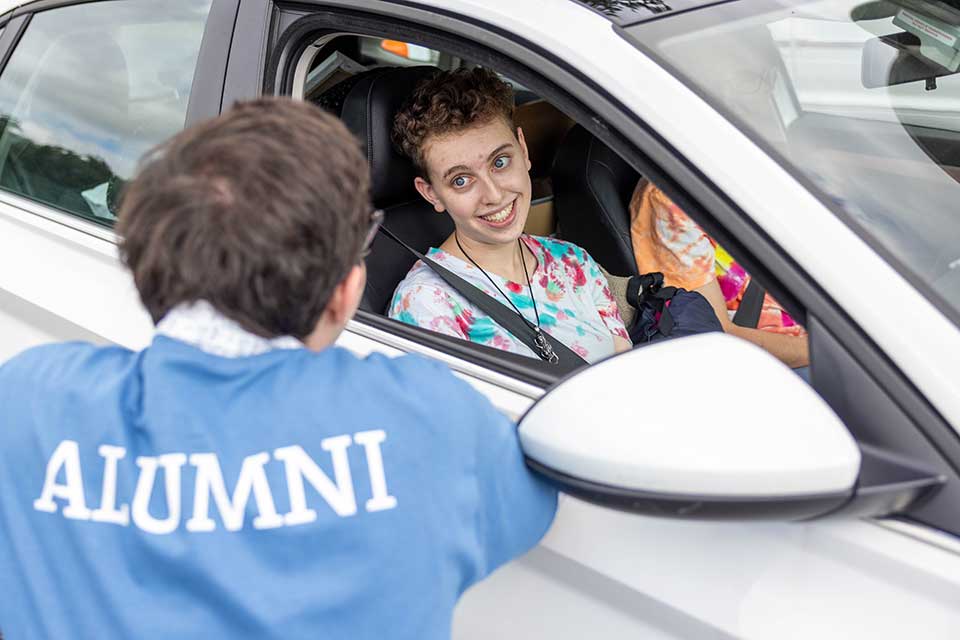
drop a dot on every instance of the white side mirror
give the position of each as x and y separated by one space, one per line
707 426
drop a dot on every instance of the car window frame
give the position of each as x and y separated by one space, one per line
205 95
295 27
644 149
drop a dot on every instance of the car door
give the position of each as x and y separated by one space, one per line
601 572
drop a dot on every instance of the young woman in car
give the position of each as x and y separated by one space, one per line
473 165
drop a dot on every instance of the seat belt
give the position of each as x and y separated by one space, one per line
567 360
751 304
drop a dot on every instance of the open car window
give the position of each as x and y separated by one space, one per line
581 188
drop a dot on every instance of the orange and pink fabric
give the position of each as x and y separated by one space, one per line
665 239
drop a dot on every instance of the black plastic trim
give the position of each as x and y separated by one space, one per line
13 30
694 507
530 370
885 485
846 377
248 52
206 92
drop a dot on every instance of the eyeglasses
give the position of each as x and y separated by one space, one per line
376 219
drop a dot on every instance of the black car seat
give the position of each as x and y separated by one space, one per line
368 110
592 187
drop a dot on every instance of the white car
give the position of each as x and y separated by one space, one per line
709 492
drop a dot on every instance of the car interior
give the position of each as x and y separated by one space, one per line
581 188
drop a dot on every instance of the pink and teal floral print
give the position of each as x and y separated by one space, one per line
573 300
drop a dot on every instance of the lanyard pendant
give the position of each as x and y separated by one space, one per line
544 347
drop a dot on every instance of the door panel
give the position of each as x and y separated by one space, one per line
556 597
70 284
27 325
843 579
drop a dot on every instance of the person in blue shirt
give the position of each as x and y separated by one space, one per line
242 476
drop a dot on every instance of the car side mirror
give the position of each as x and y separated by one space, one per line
666 430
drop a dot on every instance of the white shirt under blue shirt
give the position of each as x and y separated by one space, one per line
217 484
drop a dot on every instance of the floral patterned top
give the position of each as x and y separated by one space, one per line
573 300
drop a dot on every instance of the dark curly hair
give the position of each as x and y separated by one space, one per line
260 212
450 101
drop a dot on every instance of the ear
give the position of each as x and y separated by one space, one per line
340 308
523 146
426 190
346 295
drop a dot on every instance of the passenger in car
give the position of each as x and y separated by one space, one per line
458 129
665 239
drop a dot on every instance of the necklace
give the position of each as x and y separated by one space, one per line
543 346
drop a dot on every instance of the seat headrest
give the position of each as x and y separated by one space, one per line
592 186
368 112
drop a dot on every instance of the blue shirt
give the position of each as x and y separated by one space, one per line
176 493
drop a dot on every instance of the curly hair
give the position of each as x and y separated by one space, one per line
260 212
446 102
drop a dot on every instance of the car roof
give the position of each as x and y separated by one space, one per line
624 13
9 5
621 12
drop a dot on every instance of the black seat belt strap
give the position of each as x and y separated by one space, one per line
497 311
751 304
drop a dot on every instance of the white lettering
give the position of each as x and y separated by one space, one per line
66 455
108 511
381 500
171 463
298 465
210 481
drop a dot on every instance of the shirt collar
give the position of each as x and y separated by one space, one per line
201 325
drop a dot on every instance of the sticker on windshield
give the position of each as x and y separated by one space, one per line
925 26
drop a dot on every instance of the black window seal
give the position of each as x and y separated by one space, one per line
532 371
616 126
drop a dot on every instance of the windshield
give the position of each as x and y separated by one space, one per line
861 99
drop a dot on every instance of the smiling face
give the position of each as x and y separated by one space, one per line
480 176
